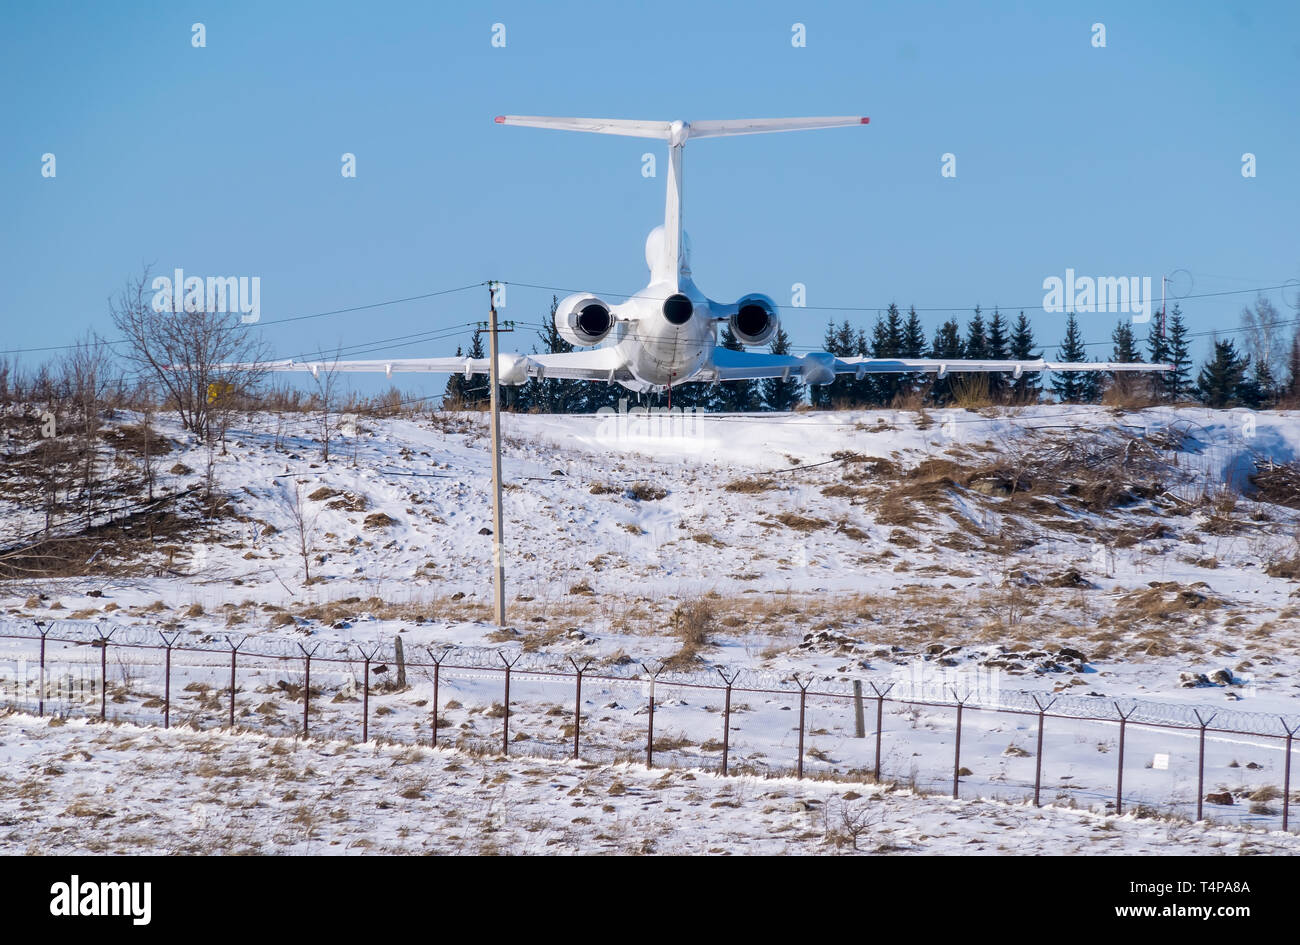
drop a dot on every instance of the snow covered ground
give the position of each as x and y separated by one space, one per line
894 547
63 789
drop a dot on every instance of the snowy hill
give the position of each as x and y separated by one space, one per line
1068 550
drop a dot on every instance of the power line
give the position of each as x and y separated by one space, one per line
362 308
275 321
366 347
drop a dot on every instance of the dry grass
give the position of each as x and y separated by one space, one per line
1278 483
1165 600
646 492
1288 568
692 622
750 486
801 523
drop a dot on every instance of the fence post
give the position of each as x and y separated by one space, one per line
803 699
1200 764
859 724
577 703
1038 756
168 642
650 727
1286 778
956 755
1119 777
726 719
399 657
956 758
437 667
365 690
44 628
505 722
306 686
234 648
880 720
103 671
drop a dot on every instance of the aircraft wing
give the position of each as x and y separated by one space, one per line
595 364
821 368
962 365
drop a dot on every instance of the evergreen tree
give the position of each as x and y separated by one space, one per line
913 347
734 396
468 393
1123 347
894 330
977 344
1258 390
1124 351
1179 380
1158 353
824 395
947 345
778 394
478 388
860 392
1075 386
998 348
886 339
453 396
1220 383
843 342
1029 386
596 396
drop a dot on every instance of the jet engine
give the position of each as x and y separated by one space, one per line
583 320
755 320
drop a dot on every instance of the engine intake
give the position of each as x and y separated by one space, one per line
755 320
678 309
583 320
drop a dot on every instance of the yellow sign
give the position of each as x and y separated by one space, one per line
218 389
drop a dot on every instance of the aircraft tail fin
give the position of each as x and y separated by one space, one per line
671 263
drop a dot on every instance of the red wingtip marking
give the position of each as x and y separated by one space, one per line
865 121
500 119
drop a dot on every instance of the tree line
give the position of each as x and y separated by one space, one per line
1264 372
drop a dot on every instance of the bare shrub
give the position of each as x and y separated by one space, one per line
203 363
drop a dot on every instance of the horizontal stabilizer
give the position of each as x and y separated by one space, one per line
758 126
600 126
679 131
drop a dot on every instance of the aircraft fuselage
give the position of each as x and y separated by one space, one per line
667 342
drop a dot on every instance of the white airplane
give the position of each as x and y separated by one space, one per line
666 334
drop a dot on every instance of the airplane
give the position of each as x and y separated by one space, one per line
666 334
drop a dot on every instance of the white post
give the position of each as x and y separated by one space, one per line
498 565
1163 280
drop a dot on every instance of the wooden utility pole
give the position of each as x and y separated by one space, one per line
498 564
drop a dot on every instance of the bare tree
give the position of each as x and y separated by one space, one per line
326 376
1265 337
149 457
196 358
304 529
91 377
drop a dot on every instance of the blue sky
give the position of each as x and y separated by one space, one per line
225 160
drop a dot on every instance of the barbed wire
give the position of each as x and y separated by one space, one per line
938 692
